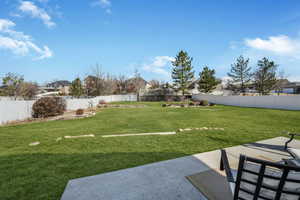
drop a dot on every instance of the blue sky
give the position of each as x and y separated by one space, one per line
62 39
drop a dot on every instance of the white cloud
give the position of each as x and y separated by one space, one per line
31 9
19 43
158 64
105 4
6 24
280 45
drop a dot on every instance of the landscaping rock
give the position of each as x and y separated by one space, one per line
200 129
141 134
79 136
34 143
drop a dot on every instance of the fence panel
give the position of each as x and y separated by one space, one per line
276 102
12 110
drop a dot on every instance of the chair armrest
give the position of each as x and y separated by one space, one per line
291 162
295 134
224 164
292 135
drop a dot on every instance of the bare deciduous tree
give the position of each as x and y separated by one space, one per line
27 90
154 84
11 84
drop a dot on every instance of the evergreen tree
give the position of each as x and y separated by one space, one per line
208 81
240 73
76 88
182 73
265 76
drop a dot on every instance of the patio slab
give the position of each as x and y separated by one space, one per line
163 180
166 180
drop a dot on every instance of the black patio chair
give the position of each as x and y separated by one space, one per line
262 180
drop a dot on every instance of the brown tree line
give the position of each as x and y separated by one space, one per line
14 85
99 83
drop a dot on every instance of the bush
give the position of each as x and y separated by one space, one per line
204 103
191 104
79 111
197 103
102 102
164 105
169 99
201 102
212 104
48 107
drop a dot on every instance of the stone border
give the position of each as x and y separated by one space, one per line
140 134
200 129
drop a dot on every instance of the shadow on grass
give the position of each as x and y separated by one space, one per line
44 176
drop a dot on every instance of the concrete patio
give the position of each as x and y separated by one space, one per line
166 180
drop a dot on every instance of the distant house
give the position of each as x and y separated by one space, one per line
59 84
56 87
283 86
291 88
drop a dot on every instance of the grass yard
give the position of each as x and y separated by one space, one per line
42 172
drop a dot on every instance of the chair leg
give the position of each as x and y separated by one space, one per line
221 162
224 165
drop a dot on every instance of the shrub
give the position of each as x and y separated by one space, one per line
212 104
48 106
164 105
102 102
169 99
200 102
191 104
196 103
205 103
79 111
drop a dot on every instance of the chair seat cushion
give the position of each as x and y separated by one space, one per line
268 183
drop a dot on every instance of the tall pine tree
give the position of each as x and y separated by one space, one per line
240 73
265 76
207 81
182 73
76 88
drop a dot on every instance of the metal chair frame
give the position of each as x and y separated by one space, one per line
279 190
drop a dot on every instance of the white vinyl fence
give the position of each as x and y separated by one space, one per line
74 104
12 110
276 102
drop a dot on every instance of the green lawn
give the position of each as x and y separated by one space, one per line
42 172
